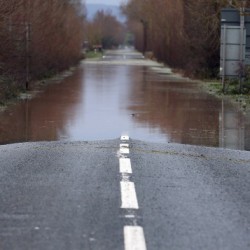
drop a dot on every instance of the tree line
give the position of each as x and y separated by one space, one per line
182 33
105 30
38 38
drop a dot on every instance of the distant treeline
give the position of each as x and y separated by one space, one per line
182 33
42 37
105 30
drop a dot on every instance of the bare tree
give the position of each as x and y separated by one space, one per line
54 40
182 33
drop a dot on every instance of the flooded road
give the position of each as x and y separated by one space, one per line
123 93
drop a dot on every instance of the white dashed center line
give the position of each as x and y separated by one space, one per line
134 238
128 195
125 166
133 235
124 150
124 138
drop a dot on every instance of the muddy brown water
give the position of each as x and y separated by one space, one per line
101 101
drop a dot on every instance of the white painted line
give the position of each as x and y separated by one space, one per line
125 166
124 150
134 238
124 138
130 216
128 196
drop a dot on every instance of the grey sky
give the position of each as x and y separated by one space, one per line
111 2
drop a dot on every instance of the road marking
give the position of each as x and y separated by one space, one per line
134 238
130 216
124 150
124 138
125 166
128 195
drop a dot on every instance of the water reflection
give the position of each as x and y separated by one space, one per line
232 129
46 117
100 101
186 114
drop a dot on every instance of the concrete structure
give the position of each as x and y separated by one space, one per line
235 41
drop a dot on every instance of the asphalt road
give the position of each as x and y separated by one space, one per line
69 196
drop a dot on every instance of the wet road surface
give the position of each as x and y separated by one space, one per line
82 195
123 92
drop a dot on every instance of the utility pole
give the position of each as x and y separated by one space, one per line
27 54
145 35
242 39
27 42
224 57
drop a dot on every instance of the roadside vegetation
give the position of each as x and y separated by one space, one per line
241 98
38 39
41 38
184 34
92 54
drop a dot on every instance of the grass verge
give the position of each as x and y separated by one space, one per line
93 55
231 93
11 91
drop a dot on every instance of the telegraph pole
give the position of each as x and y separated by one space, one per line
242 39
27 55
145 35
27 43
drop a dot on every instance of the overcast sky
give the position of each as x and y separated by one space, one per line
112 2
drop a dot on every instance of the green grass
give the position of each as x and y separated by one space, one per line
232 92
231 87
92 54
214 87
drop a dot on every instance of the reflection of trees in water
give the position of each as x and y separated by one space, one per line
177 109
44 117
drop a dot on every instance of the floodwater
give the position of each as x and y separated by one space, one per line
123 93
